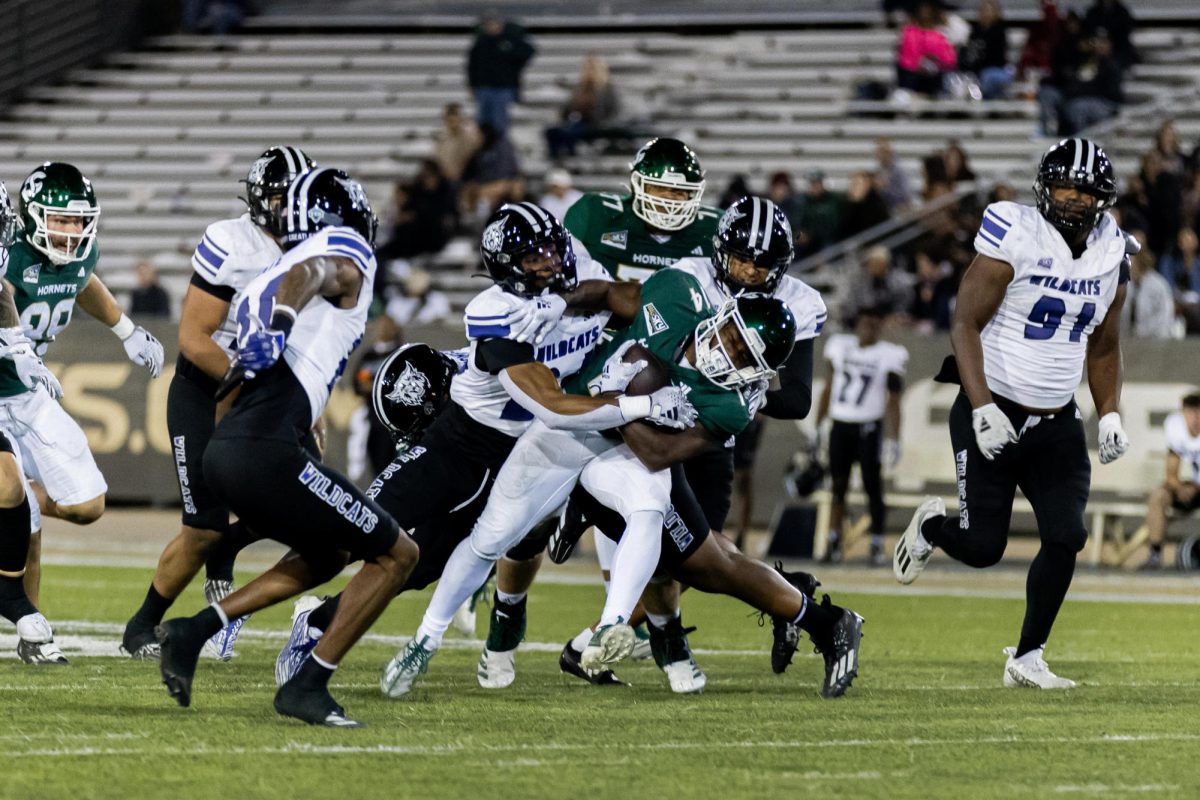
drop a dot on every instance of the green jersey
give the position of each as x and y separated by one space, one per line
617 238
673 304
45 298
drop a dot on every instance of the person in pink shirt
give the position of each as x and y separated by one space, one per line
924 54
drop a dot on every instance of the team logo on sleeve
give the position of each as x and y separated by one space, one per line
654 320
617 239
493 236
410 388
1046 263
30 275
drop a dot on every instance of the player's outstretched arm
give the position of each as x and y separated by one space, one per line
793 398
979 296
623 298
1104 380
140 345
9 316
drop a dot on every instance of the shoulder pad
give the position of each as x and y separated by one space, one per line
485 314
806 305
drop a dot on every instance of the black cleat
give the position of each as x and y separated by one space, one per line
785 634
315 706
841 652
571 525
139 642
569 663
179 646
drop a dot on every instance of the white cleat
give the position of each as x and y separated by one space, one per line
1031 671
300 642
403 670
686 677
609 644
497 668
35 641
912 551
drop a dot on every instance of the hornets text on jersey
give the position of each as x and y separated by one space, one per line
1035 345
231 253
860 377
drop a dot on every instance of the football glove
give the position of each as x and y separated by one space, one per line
259 347
144 350
669 407
461 356
30 369
992 430
891 453
535 318
1113 440
617 374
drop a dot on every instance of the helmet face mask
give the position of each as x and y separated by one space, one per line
8 218
410 389
52 195
757 231
520 235
745 341
267 182
1078 164
663 165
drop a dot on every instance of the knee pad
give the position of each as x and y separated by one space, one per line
988 554
14 538
1073 540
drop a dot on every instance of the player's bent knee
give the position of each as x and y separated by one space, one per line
12 493
200 540
84 513
987 554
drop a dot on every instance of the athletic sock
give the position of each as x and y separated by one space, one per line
313 674
818 619
207 622
634 564
931 528
1045 589
581 640
322 616
507 599
219 564
1156 548
154 607
661 621
464 573
14 603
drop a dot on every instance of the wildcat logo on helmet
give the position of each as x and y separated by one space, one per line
357 193
257 170
410 388
493 237
727 219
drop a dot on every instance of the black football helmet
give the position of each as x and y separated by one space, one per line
411 388
324 198
1083 165
268 179
754 229
515 231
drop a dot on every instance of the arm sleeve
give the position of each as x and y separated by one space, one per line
793 398
225 293
494 355
598 419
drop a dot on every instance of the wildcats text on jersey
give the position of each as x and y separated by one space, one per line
565 347
1068 285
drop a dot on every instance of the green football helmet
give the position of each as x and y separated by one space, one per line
8 218
767 332
666 164
59 190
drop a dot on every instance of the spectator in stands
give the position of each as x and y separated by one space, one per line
590 109
865 207
1133 207
426 214
560 194
1164 194
1037 55
924 55
781 192
821 221
1113 17
986 52
455 143
1001 192
1181 265
1084 93
498 56
933 295
490 176
891 178
1182 432
878 285
149 298
951 23
218 17
414 301
1149 310
958 166
737 189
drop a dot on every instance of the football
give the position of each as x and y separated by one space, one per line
653 377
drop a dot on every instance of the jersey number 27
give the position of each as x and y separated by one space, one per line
1047 315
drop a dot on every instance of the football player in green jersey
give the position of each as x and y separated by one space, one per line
51 269
659 221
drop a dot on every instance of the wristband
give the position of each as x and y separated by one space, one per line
635 407
124 328
283 318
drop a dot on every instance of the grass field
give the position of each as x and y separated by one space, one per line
926 719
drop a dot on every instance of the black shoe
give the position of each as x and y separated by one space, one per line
571 525
139 642
784 632
833 555
841 652
180 645
314 705
670 644
506 628
568 662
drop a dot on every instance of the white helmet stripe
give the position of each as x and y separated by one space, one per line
1078 145
756 204
1091 155
524 212
541 213
300 189
768 224
290 157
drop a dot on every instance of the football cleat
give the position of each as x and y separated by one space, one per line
785 633
674 657
35 641
571 526
912 551
405 667
841 653
180 647
506 628
216 590
139 643
1031 671
301 641
314 706
641 647
568 662
497 669
221 644
609 644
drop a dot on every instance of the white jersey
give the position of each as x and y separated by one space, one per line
1035 345
1182 443
324 335
231 254
802 300
563 350
860 377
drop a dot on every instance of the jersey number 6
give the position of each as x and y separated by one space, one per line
1047 315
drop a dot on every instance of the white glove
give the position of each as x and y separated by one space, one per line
1132 245
669 407
144 350
1113 440
617 374
992 430
30 369
756 396
891 453
536 317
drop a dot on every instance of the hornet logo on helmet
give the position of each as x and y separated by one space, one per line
493 237
410 387
32 185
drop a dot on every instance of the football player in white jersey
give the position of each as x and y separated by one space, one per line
1182 432
1042 298
298 322
230 254
862 396
35 638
